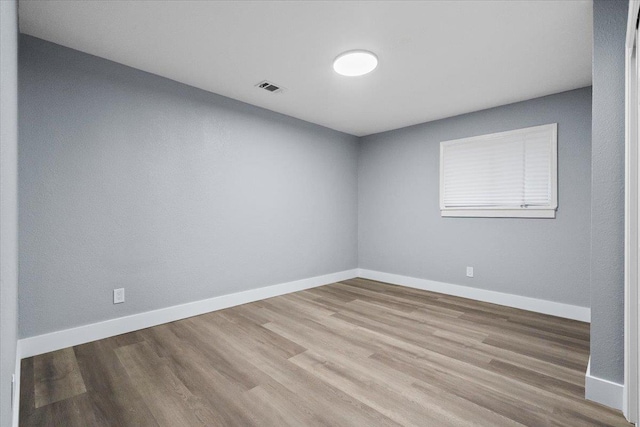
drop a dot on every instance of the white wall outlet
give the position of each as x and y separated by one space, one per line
118 295
469 271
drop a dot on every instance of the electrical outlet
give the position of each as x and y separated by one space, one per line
469 271
118 295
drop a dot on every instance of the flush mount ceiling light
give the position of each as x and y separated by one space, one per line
355 63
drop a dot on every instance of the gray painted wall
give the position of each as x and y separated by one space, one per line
401 230
607 203
132 180
8 202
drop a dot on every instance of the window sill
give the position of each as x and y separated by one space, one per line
499 213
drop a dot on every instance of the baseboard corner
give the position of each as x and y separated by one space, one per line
602 391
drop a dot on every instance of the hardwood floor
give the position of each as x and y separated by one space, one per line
355 353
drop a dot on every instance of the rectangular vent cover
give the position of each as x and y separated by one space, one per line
268 86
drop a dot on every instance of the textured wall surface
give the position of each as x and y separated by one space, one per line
8 202
607 204
132 180
401 230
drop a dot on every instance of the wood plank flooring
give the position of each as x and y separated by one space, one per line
354 353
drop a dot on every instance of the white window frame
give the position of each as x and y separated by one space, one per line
506 211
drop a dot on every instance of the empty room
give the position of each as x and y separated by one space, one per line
319 213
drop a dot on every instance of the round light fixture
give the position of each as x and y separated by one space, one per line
355 63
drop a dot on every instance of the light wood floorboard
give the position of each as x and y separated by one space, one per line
354 353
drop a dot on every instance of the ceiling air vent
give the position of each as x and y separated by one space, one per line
270 87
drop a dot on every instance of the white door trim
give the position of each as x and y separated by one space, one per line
630 403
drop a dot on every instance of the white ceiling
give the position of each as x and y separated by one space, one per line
437 58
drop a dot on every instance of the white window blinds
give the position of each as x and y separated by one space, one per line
504 174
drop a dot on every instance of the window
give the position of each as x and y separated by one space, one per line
506 174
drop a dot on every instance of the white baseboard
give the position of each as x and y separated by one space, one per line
45 343
83 334
516 301
603 391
